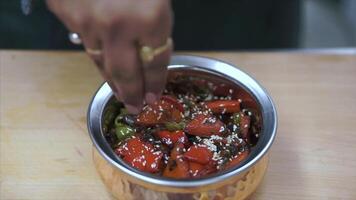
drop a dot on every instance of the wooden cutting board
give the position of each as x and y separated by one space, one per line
45 151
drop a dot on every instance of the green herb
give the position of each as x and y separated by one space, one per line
124 111
174 126
109 116
118 119
123 131
201 92
236 117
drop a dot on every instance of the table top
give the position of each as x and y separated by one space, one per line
45 150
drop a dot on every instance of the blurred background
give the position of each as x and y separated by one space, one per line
328 23
301 24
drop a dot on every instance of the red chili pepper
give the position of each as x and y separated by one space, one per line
140 155
209 168
160 112
221 90
173 101
246 99
177 166
236 160
237 93
202 83
171 137
224 106
195 169
205 125
198 170
245 125
198 154
241 94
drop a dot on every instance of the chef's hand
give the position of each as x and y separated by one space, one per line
116 27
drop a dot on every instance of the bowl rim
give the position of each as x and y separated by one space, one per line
189 62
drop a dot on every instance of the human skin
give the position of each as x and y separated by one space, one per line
118 28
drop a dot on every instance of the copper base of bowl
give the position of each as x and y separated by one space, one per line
121 186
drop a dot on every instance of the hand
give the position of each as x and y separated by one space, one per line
117 27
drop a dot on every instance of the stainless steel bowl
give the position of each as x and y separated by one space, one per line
125 182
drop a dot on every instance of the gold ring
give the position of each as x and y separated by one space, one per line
147 54
94 52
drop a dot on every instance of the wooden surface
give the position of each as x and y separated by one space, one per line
45 151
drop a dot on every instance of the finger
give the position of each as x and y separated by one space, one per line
92 41
155 72
124 69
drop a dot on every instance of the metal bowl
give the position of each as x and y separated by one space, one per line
125 182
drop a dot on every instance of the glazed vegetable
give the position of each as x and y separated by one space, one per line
172 137
198 154
205 125
173 101
195 169
196 129
159 113
140 155
244 125
174 126
109 116
177 166
223 106
123 131
236 160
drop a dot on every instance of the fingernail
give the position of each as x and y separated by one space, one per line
132 109
150 98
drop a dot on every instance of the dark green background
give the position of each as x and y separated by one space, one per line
199 25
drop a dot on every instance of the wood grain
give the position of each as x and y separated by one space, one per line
45 151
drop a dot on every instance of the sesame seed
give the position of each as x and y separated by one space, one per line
223 111
153 165
222 129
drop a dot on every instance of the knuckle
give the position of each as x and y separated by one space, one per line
158 19
154 15
109 22
79 19
108 18
150 17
